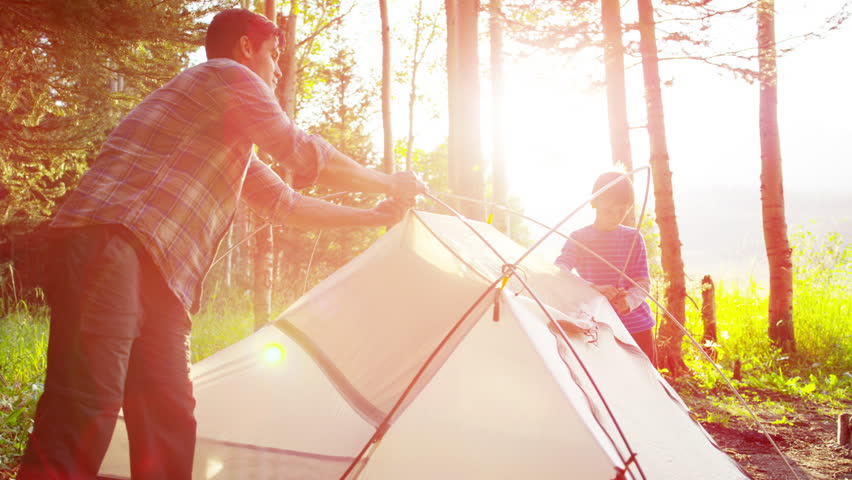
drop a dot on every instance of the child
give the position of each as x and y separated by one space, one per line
621 246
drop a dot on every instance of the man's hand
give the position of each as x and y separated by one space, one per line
390 211
406 185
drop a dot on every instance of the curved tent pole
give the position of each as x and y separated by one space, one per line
552 230
564 337
511 271
656 302
268 224
383 427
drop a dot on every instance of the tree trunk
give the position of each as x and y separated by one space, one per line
708 316
269 9
229 257
287 86
262 281
412 88
387 159
619 134
465 150
670 335
262 258
498 164
778 251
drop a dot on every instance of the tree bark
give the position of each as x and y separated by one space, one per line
229 258
269 9
619 134
287 86
465 146
262 279
387 159
263 256
498 162
670 334
844 425
425 29
412 88
778 252
708 316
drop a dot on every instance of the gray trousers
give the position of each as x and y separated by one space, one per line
118 338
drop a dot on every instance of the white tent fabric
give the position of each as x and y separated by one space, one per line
464 380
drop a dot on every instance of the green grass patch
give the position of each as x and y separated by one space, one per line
820 372
23 348
224 320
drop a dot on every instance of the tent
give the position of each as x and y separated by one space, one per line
428 356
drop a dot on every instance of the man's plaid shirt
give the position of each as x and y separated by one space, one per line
173 171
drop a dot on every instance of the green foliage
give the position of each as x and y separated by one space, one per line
564 26
821 370
226 318
345 102
346 105
432 167
317 29
71 70
23 348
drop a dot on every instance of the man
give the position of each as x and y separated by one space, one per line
139 234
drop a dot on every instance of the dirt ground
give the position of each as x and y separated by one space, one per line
808 438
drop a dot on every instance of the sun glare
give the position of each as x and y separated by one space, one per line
556 141
274 354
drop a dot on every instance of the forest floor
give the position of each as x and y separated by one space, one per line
805 430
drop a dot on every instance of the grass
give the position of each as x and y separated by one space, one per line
820 371
23 348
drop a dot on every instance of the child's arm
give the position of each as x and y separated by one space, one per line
628 299
567 260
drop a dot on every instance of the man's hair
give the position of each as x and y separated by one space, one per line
622 192
228 26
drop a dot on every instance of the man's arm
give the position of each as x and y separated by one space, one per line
313 212
271 198
253 107
343 173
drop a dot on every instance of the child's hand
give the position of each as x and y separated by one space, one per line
619 303
607 291
617 297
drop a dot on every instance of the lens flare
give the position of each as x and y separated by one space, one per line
274 354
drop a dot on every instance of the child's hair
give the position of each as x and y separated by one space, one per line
228 26
621 192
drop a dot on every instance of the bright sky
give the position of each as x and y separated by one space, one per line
711 121
557 140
